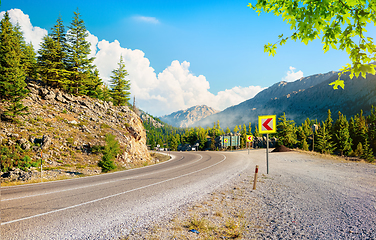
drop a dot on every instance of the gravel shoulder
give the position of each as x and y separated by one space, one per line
304 196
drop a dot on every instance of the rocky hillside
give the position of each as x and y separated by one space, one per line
186 118
307 97
70 129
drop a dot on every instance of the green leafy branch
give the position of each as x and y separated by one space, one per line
340 25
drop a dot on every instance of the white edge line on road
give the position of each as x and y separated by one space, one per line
33 184
97 184
114 195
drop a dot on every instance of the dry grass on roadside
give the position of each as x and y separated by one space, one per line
224 214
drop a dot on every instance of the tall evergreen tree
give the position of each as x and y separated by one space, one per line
286 132
12 73
323 141
236 129
249 128
341 135
358 129
28 56
94 86
30 61
53 56
256 133
243 136
329 122
120 86
371 122
78 61
367 152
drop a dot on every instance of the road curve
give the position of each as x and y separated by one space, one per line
109 205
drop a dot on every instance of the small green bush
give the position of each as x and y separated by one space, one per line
111 149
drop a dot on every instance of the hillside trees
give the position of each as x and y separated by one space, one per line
339 24
12 73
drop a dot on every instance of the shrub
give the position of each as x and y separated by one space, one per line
111 149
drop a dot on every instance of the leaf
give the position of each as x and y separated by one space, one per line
338 83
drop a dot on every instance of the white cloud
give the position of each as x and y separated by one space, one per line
292 76
93 47
173 89
152 20
30 33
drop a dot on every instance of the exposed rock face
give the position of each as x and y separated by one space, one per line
186 118
308 97
149 119
66 128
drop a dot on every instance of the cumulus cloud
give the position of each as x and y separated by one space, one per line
175 88
152 20
292 75
31 34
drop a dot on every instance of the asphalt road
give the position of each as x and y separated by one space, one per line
110 205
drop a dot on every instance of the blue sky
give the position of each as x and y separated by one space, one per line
184 53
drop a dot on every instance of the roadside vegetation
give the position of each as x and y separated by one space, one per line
355 137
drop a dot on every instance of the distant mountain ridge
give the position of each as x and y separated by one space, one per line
186 118
307 97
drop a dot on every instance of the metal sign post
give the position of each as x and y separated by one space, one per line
41 163
267 124
267 153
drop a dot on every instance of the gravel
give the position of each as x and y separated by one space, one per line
305 196
316 198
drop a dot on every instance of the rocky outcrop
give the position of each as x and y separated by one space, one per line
66 128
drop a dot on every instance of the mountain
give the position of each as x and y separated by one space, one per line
186 118
308 97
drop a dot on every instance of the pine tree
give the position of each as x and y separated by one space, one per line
243 137
94 85
106 94
120 87
249 128
323 141
236 129
358 129
28 56
305 145
286 132
371 122
52 58
30 61
341 132
329 122
256 133
228 131
359 150
12 73
367 152
78 61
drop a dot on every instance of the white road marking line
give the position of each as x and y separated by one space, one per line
27 185
97 184
114 195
